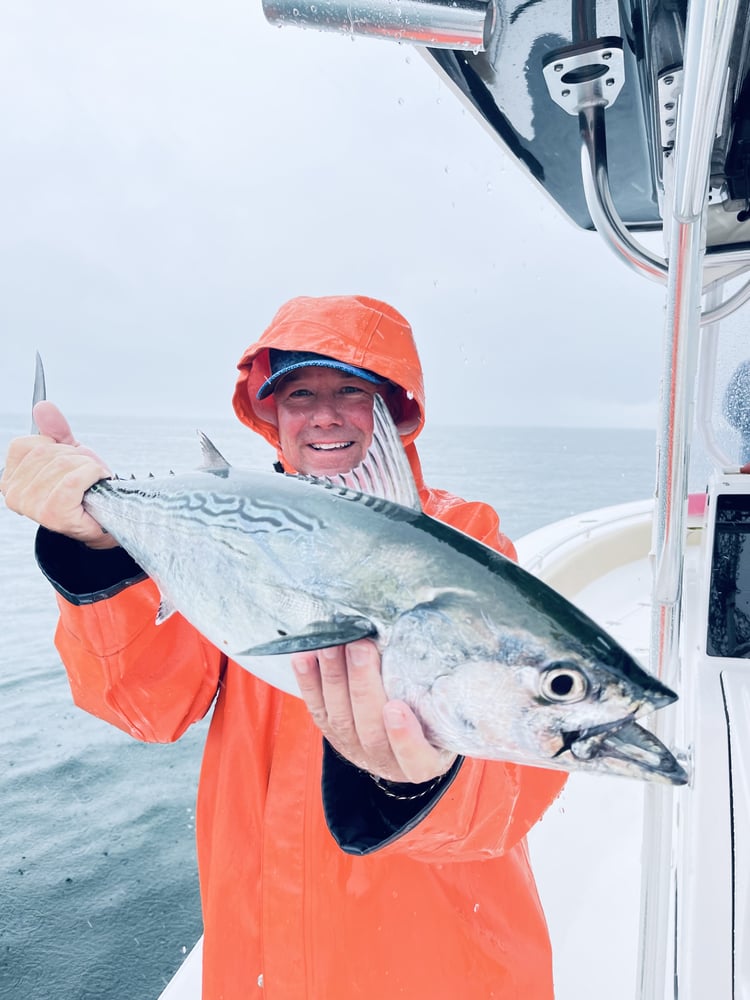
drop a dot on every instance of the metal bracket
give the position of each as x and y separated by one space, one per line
587 75
669 88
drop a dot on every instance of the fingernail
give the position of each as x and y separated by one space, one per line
359 655
394 715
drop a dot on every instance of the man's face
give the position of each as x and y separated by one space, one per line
325 420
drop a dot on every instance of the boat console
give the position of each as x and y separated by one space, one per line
713 820
634 117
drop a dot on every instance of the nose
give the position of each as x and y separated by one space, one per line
325 413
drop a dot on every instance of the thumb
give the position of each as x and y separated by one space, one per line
51 422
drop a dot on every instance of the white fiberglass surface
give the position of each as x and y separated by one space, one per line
736 684
586 852
186 984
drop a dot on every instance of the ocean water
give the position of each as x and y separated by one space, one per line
98 883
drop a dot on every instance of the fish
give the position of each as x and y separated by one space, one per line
495 664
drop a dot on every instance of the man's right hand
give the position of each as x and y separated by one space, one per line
46 475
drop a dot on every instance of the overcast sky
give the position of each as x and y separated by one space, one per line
173 170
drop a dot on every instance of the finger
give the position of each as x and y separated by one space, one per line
334 679
17 451
307 672
59 496
325 680
46 482
368 698
416 756
51 421
28 461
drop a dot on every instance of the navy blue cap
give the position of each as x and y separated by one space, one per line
284 362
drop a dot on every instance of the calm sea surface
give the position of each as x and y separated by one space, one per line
98 884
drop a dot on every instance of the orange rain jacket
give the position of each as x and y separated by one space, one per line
308 896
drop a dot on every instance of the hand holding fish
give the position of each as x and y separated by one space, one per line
46 475
343 690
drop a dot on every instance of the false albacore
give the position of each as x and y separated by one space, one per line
494 663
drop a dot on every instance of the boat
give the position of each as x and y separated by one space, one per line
634 118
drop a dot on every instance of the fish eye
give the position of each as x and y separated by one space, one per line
563 683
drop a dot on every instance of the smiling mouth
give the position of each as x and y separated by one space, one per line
338 446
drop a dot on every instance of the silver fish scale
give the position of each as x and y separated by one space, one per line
253 515
226 510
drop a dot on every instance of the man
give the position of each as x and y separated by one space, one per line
365 864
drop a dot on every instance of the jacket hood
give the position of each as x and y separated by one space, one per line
355 329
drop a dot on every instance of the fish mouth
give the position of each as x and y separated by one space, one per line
625 748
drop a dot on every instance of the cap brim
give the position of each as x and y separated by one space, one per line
270 384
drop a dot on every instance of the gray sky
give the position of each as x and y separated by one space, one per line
173 170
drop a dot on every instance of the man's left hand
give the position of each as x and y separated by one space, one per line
343 690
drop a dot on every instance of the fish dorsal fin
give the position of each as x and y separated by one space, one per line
213 460
385 471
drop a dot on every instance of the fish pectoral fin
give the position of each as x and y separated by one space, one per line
166 610
318 635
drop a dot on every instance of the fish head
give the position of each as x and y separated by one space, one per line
558 697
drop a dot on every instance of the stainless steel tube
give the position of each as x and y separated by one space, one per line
599 199
447 24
